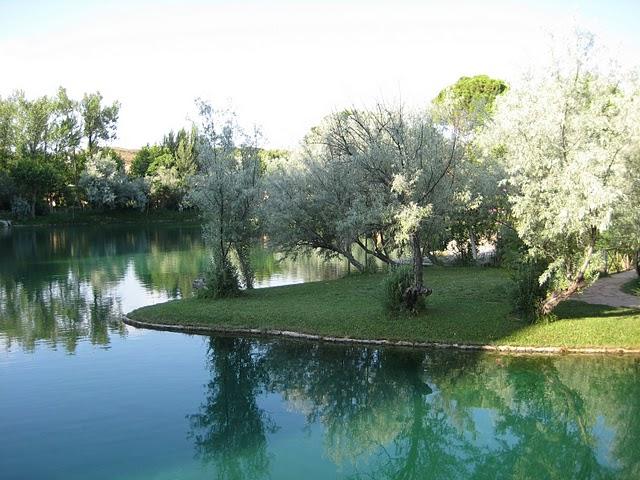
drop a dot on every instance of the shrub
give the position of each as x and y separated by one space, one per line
106 185
395 285
20 208
528 294
220 280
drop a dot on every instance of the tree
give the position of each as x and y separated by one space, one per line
99 122
563 135
472 99
227 189
106 185
142 160
66 138
310 203
8 129
478 198
624 236
33 177
405 161
34 126
186 153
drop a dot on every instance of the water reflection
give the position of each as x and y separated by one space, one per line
349 412
230 429
397 414
60 286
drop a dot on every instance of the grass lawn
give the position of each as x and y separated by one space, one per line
632 287
469 305
91 217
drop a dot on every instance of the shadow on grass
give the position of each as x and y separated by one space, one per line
574 309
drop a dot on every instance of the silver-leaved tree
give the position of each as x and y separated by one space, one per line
227 191
368 178
564 134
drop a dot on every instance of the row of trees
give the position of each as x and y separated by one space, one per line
549 163
383 180
54 153
44 143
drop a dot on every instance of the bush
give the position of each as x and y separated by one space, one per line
528 294
395 285
220 280
20 208
106 185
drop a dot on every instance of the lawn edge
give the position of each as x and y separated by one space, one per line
506 349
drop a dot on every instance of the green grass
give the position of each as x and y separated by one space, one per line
469 305
92 217
632 287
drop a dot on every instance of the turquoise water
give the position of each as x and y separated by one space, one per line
83 396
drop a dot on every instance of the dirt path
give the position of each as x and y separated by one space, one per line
608 291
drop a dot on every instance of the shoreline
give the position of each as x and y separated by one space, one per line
267 333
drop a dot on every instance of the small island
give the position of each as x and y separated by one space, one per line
469 309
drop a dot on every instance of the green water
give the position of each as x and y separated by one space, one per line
83 396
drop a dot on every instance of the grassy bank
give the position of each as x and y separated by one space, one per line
632 287
469 305
92 217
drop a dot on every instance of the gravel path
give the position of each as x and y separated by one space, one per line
608 291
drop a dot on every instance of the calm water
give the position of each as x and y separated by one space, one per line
83 396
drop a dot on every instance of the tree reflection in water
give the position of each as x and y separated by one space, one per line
402 414
230 430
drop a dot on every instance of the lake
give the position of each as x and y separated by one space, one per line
83 396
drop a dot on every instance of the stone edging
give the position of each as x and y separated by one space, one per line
208 330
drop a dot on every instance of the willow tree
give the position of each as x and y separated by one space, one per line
227 189
624 235
564 133
317 200
402 162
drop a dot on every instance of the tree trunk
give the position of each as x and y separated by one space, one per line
474 246
637 262
557 296
417 260
375 252
352 261
33 206
246 270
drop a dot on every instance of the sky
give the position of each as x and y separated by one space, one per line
281 65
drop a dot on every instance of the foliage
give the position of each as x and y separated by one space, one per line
477 207
142 161
43 137
564 134
309 206
20 208
374 174
528 293
99 121
471 99
7 187
166 188
33 177
395 284
227 190
220 280
167 167
107 185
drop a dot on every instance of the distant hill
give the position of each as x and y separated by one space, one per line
127 155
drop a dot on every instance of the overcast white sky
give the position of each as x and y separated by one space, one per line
281 65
